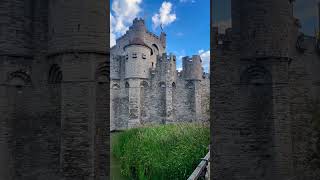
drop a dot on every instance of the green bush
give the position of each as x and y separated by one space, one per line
161 152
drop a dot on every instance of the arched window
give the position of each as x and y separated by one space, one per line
162 84
173 85
189 85
115 86
55 74
19 79
144 84
155 49
102 72
127 85
256 75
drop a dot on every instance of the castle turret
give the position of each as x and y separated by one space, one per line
163 39
137 30
192 67
137 59
167 78
192 72
138 25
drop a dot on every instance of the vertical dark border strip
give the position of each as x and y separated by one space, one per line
108 89
211 86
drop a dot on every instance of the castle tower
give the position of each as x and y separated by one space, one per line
136 70
80 45
252 139
163 39
192 72
167 78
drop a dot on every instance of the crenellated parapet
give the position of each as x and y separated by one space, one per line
192 67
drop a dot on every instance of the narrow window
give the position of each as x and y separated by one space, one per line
134 55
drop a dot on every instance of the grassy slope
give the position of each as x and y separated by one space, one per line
161 152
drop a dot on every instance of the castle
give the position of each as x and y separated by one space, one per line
54 89
265 89
145 86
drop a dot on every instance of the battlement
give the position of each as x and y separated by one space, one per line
166 58
191 60
138 20
192 67
139 30
138 25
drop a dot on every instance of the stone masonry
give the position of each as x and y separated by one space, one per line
265 79
145 86
54 89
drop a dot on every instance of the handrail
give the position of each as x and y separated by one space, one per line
199 170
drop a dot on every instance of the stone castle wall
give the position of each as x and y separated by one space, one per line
146 87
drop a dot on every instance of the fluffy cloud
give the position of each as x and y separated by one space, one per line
164 17
122 14
112 33
205 56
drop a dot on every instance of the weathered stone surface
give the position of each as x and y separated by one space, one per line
263 87
146 87
54 89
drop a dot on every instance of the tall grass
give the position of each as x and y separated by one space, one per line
161 152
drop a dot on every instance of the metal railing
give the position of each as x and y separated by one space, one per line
201 169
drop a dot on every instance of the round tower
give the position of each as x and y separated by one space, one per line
137 30
137 57
163 39
263 27
78 38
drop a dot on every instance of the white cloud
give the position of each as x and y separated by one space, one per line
112 34
180 54
164 17
179 69
122 14
205 56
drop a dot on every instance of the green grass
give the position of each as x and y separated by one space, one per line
161 152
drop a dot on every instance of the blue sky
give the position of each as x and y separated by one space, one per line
186 23
305 10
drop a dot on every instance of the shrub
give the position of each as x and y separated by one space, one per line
161 152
